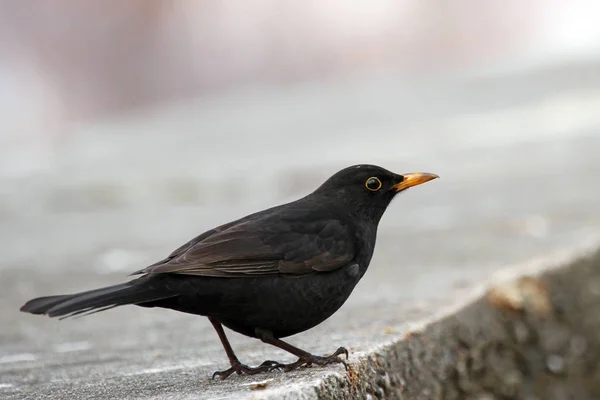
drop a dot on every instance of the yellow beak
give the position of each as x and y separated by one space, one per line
413 179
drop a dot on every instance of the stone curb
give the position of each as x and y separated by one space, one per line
532 333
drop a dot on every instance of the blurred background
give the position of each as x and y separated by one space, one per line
67 62
128 127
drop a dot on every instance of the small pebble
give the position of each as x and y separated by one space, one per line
259 386
555 364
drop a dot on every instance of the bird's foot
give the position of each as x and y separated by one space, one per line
309 360
267 366
240 368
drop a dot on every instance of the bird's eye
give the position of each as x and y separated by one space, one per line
373 184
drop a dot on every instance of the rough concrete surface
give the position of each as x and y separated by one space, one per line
533 337
518 160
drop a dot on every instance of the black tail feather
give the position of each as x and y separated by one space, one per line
134 292
43 304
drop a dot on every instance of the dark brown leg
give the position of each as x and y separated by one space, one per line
305 359
236 365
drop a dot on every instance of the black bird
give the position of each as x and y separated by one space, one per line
268 275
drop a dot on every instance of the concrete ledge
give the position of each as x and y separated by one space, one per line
530 332
533 336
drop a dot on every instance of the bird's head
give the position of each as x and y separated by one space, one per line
368 189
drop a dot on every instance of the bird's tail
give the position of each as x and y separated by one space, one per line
133 292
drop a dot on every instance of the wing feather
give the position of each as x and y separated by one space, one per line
260 247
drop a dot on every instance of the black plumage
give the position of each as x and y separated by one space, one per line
268 275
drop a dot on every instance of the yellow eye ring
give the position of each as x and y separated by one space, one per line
373 184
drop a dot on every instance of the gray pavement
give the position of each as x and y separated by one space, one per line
519 159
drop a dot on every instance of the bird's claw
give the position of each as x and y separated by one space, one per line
340 351
240 368
309 360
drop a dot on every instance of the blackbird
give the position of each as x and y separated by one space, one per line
269 275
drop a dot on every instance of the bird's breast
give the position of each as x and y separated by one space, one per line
284 305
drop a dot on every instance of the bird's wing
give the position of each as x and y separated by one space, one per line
253 248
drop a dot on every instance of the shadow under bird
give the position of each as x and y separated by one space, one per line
269 275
